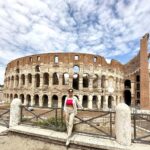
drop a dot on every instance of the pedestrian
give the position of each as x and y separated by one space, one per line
70 108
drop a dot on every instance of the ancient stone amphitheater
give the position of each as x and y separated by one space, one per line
43 80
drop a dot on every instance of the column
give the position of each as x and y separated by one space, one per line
33 81
99 83
90 83
41 80
80 99
90 102
99 101
40 101
59 101
81 82
32 100
49 100
105 103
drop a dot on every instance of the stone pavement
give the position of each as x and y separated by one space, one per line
78 139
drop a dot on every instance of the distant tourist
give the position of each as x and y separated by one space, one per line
70 108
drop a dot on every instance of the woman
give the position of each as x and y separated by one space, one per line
70 108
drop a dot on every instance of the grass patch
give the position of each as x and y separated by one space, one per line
52 123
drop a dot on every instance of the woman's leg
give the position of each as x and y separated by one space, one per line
70 127
67 120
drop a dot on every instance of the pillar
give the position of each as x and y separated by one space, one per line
123 124
15 112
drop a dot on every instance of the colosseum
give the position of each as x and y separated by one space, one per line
42 80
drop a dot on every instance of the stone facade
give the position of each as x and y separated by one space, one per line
1 94
43 79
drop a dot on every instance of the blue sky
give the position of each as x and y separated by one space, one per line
110 28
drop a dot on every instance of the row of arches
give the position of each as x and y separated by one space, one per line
57 101
57 79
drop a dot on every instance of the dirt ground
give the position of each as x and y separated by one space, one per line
13 142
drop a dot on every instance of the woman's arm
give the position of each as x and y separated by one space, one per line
65 104
77 102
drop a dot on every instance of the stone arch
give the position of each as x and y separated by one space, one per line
11 97
95 81
95 102
138 78
127 84
22 79
28 99
22 98
37 68
63 100
110 101
17 80
36 100
85 80
45 100
55 78
65 79
37 80
12 81
102 101
15 95
85 101
55 101
75 83
127 97
76 69
103 80
46 78
29 78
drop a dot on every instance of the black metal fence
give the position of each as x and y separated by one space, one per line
51 118
141 127
87 121
95 122
4 116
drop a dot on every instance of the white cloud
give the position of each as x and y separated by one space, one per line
108 28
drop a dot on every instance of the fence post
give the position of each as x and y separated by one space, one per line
15 112
123 124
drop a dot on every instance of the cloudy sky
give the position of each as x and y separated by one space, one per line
110 28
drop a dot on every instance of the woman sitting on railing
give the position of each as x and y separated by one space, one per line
70 108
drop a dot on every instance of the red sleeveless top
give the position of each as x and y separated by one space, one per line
69 101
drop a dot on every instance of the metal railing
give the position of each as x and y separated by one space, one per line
4 116
95 122
141 127
51 118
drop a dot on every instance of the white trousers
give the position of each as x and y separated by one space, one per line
69 123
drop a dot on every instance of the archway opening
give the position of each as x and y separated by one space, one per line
63 100
45 101
54 101
55 79
46 79
127 97
75 81
36 100
37 80
102 101
85 80
85 101
28 98
110 99
127 84
95 102
22 98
